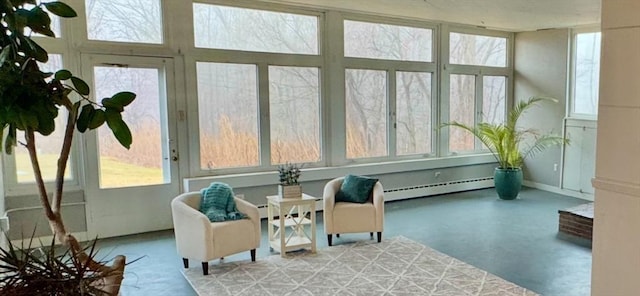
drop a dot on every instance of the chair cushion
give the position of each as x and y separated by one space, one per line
218 203
355 189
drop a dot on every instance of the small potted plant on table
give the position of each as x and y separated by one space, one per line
289 187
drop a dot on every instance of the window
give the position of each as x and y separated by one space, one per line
125 20
228 115
413 113
494 99
234 28
294 109
390 42
388 101
586 73
462 89
477 80
366 109
468 49
143 163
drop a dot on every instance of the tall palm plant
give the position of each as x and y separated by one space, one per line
504 140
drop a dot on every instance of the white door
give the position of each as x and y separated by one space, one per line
129 191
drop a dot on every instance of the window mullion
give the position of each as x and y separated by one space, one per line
392 125
479 106
264 126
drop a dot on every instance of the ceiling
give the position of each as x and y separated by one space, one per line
510 15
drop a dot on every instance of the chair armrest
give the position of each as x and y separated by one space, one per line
378 204
253 214
247 208
192 229
328 202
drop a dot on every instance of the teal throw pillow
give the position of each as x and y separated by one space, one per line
355 189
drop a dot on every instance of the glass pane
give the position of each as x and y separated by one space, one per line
462 89
235 28
413 113
48 147
366 120
587 73
124 20
143 164
494 97
228 115
380 41
477 50
294 108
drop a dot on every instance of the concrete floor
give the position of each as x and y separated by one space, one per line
516 240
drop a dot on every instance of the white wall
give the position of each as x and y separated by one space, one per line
616 241
541 60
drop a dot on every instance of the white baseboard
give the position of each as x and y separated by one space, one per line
553 189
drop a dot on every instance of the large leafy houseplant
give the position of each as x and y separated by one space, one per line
30 101
511 145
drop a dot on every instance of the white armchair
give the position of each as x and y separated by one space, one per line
346 217
199 239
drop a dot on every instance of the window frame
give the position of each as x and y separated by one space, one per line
572 73
479 72
391 67
262 61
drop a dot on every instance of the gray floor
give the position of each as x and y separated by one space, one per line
516 240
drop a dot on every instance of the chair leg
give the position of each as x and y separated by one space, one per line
329 239
379 236
337 235
205 268
371 235
185 262
253 255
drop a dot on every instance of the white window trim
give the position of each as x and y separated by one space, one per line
572 73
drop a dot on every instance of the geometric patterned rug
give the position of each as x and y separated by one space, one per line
396 266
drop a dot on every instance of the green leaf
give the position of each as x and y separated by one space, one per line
97 120
38 18
60 9
80 85
119 128
46 126
109 103
123 99
4 54
35 50
29 120
85 117
63 74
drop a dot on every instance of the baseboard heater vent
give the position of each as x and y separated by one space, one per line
437 188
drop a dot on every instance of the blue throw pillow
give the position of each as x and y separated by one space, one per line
355 189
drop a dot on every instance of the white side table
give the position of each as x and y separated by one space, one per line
295 225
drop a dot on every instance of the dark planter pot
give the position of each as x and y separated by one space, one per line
508 182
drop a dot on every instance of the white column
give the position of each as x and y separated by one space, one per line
616 242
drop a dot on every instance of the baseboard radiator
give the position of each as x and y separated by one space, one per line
418 191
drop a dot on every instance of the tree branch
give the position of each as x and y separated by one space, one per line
64 157
44 198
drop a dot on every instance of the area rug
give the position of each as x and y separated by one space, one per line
396 266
